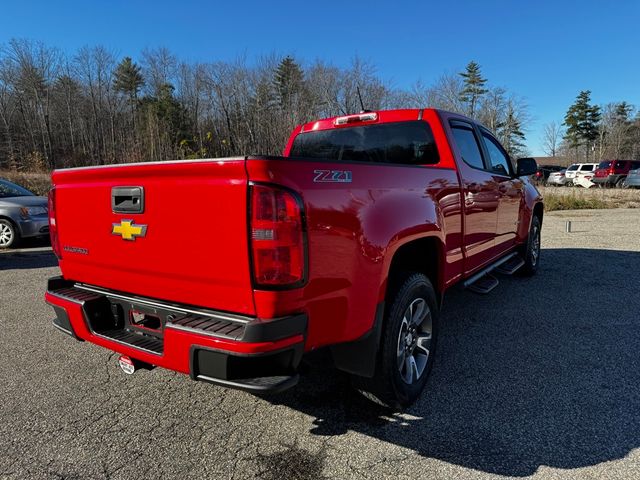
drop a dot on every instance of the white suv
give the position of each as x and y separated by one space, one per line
584 174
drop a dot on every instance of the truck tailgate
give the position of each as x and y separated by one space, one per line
188 245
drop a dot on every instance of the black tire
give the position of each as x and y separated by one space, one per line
531 253
621 182
401 339
9 234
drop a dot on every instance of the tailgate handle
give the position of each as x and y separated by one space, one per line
127 199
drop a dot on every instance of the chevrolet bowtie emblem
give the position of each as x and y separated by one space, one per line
128 231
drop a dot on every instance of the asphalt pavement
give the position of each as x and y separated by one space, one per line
538 379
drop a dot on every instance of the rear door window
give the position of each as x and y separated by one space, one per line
409 143
468 146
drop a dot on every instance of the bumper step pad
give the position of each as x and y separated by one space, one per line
143 342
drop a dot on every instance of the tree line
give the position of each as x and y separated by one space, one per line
91 107
592 133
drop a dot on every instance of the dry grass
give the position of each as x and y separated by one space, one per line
575 198
38 183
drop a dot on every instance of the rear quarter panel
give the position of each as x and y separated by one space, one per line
353 230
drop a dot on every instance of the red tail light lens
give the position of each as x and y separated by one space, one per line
277 237
53 226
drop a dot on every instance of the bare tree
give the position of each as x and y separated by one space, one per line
69 110
551 138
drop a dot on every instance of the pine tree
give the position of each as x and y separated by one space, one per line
473 87
510 133
129 81
582 121
128 78
288 80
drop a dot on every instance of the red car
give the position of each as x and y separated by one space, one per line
613 172
230 270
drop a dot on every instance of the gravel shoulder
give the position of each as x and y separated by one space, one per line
539 379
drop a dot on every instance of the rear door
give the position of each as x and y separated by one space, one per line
510 188
481 195
175 231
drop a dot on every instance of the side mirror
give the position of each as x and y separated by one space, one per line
526 167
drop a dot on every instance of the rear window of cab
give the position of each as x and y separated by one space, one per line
407 143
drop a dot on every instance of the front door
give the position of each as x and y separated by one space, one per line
511 190
481 196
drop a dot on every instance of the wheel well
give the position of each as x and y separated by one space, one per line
538 211
10 220
16 229
422 255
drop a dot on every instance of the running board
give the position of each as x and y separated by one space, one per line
511 266
482 282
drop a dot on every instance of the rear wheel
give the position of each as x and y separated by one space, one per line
532 249
407 346
621 183
9 236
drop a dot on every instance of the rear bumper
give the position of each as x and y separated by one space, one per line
556 181
608 180
230 350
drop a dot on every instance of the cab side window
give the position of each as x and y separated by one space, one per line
467 144
500 162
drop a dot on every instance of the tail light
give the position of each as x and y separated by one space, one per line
278 244
53 224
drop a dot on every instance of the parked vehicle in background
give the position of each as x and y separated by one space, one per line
542 174
584 174
570 174
347 241
22 214
583 179
633 179
557 179
584 168
612 173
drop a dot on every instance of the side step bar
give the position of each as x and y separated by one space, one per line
483 282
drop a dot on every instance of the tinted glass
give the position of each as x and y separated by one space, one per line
619 165
498 158
572 168
8 189
467 143
401 142
606 164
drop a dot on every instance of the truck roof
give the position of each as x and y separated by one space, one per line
382 116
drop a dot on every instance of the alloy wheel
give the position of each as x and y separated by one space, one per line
6 235
414 341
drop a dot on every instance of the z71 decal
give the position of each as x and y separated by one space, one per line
332 176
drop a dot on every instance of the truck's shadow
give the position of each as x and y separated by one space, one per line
27 260
541 372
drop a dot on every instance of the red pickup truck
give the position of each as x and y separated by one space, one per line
231 269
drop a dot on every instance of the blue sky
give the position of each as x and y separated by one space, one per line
544 51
